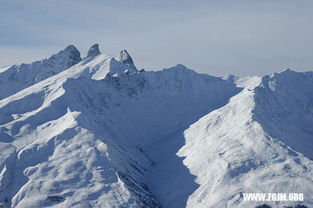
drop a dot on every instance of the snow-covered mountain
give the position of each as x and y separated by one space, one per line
18 77
96 132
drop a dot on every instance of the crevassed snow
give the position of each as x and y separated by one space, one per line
102 134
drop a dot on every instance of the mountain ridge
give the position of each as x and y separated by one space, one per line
103 134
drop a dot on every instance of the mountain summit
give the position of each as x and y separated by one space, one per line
99 134
93 51
19 77
70 53
125 58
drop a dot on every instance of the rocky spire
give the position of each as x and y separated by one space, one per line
125 58
93 51
67 57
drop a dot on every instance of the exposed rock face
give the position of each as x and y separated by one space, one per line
93 51
125 58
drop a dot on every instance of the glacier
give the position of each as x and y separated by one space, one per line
97 132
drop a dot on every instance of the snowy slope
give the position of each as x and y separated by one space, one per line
284 108
231 153
102 134
18 77
41 131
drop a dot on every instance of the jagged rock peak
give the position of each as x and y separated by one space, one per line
71 48
94 50
70 54
125 58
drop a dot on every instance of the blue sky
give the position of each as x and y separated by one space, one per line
242 37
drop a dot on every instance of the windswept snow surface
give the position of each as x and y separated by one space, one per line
18 77
99 133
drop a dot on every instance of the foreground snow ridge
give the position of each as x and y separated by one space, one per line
97 132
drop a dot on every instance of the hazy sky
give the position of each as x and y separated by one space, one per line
241 37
